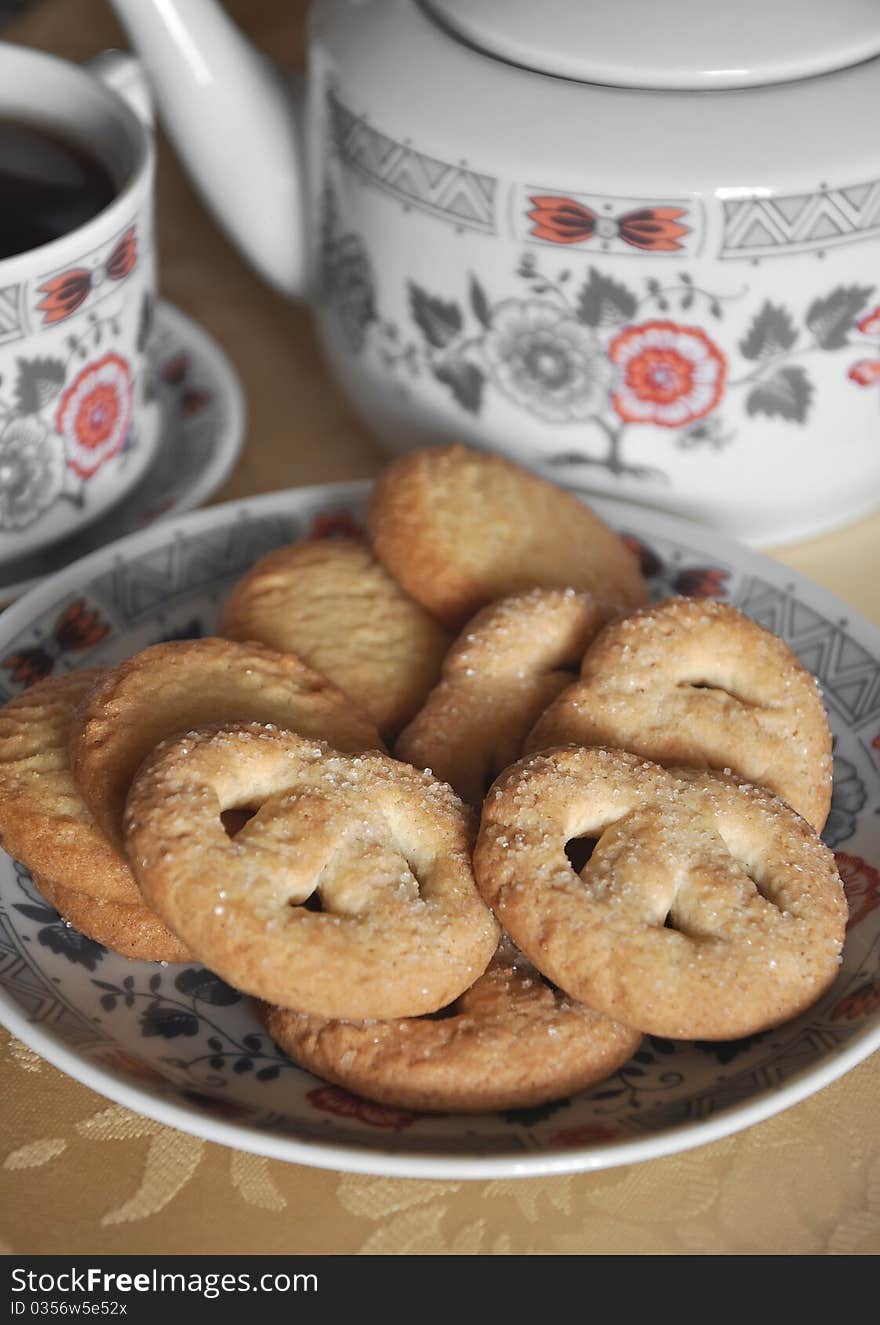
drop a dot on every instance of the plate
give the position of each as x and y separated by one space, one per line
177 1044
201 420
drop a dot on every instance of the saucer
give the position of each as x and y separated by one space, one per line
201 420
177 1044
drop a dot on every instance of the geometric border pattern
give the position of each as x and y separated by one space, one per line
449 190
848 674
12 313
137 590
798 222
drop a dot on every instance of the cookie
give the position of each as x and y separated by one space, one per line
707 910
460 528
509 1042
350 892
698 684
331 602
44 821
510 661
131 930
170 688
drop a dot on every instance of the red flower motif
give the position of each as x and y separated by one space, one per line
120 1061
870 323
194 400
78 627
692 581
28 667
866 372
702 582
564 221
649 563
94 414
859 1003
861 883
123 259
64 294
333 1099
174 370
336 524
668 374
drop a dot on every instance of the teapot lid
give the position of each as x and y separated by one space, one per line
685 44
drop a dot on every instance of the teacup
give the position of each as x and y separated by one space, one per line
77 428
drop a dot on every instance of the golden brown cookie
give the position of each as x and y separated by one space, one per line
509 1042
44 821
507 665
132 930
350 892
331 602
696 683
460 528
171 688
707 910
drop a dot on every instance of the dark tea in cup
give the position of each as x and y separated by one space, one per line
49 186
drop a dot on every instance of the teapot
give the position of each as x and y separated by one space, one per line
634 246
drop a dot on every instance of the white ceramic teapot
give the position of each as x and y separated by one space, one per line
634 245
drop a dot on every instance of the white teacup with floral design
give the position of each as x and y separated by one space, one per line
77 427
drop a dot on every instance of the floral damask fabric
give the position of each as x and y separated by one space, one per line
80 1174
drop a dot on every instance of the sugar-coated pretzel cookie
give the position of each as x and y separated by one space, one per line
509 1042
698 684
129 929
44 821
382 849
174 687
707 910
459 528
510 661
331 602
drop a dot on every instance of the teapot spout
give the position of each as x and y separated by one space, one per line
235 120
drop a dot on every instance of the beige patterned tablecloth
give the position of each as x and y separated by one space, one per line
79 1174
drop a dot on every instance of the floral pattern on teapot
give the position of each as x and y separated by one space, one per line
566 345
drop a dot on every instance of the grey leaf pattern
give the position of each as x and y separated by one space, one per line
771 332
465 380
38 382
831 319
603 302
440 320
785 395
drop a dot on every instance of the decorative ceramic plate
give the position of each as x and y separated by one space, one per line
201 413
178 1044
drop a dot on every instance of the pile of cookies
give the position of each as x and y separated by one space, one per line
464 814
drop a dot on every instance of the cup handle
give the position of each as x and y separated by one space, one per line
125 75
